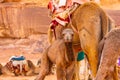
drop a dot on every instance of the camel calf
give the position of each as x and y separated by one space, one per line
57 53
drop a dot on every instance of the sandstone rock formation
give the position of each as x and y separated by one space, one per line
22 20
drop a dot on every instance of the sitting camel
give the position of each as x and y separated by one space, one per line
58 54
28 69
110 49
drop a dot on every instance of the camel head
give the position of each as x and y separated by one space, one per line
67 35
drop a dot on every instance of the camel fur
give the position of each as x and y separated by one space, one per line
110 49
92 24
59 54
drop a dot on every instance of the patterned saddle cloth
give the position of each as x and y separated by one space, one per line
63 17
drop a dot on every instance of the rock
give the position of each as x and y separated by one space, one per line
22 20
32 44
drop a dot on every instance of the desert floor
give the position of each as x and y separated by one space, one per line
7 53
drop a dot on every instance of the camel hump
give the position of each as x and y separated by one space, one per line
89 4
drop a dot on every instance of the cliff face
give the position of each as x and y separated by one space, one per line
20 20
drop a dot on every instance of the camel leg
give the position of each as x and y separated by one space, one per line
93 62
60 72
70 72
90 47
75 75
77 66
45 67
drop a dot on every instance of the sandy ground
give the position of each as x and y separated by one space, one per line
5 54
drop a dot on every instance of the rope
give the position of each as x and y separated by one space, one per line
71 11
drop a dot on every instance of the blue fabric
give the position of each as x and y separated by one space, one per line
18 58
81 56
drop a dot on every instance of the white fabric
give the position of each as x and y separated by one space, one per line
15 63
11 57
62 3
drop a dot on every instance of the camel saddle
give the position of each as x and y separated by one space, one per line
16 64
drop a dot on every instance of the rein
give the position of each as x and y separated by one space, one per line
74 7
74 29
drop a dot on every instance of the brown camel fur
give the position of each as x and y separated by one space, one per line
1 69
58 54
91 24
29 70
110 48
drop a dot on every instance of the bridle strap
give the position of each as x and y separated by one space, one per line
74 29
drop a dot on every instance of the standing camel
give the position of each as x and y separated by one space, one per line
58 53
91 24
